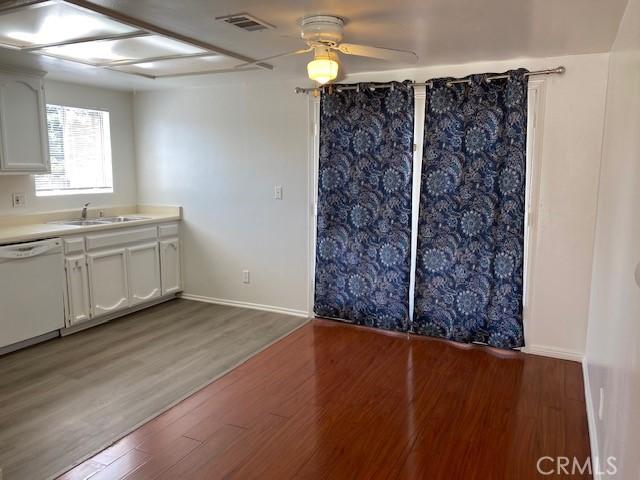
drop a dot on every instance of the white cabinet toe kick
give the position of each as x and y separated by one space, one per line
110 274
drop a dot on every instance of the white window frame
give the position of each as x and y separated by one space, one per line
535 118
107 152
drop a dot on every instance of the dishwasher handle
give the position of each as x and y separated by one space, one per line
27 250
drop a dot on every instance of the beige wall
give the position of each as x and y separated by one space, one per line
556 320
122 149
613 346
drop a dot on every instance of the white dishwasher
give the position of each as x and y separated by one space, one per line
31 290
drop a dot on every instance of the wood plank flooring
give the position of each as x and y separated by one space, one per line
65 399
334 401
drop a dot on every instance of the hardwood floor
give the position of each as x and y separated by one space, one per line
333 401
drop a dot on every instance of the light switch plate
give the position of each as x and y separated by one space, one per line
277 192
245 276
17 200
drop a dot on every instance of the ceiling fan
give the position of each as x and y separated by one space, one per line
323 35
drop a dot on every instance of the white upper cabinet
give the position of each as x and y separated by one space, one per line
24 146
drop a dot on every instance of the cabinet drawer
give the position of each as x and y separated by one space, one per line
120 237
168 230
73 245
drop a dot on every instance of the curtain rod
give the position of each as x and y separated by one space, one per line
317 90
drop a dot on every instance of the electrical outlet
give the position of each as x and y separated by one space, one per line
601 405
245 276
277 192
17 200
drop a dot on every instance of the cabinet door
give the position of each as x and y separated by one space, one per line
77 290
108 281
23 127
143 266
170 266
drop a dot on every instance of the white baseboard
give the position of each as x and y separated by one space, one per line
554 352
591 418
252 306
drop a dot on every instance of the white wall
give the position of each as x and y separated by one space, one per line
119 105
219 152
612 358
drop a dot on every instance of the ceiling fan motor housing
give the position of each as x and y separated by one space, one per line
322 29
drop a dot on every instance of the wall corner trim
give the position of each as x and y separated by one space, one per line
591 418
252 306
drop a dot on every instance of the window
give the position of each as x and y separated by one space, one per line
80 152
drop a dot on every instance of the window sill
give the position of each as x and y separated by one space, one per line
80 191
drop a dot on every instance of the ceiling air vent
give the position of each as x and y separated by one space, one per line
245 22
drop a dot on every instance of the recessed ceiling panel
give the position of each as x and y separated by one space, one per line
180 66
53 22
124 50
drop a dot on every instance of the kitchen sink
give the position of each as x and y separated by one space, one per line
98 221
120 219
78 223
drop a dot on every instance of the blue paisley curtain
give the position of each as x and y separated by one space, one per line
471 220
364 205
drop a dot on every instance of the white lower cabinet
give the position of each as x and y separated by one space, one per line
143 266
111 271
170 266
77 289
108 281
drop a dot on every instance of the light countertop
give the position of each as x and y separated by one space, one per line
25 228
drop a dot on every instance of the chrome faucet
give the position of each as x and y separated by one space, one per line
83 214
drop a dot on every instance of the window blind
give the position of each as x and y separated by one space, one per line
79 149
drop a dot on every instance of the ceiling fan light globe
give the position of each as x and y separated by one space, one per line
322 70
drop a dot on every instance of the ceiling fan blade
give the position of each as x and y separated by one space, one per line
377 52
280 55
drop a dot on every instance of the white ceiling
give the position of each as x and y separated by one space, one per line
439 31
